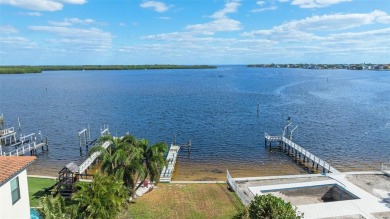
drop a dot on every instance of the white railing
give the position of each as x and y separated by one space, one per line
309 155
20 150
92 158
24 137
167 171
7 131
272 138
301 150
245 199
385 166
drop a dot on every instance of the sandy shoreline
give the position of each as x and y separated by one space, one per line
206 171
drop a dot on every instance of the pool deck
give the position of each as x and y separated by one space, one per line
365 206
271 188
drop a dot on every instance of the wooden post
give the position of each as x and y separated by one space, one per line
80 143
299 156
47 144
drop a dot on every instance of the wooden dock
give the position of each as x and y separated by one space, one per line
7 136
167 172
25 148
299 153
89 161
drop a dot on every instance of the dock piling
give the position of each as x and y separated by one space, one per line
298 153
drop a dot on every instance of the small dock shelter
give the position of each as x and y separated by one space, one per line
67 177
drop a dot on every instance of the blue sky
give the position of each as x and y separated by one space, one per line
36 32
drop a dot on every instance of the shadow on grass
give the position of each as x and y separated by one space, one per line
37 195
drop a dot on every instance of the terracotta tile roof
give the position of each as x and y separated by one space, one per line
9 165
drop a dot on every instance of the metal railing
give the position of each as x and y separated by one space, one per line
245 199
20 150
272 138
7 131
302 151
92 158
385 166
309 155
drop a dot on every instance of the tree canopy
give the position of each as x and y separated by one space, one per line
269 207
21 69
133 160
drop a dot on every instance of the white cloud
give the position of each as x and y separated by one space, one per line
41 5
316 3
362 35
338 21
321 39
76 2
260 3
220 23
301 28
155 5
72 21
122 24
224 24
37 5
78 39
230 7
33 14
8 30
17 42
164 18
265 9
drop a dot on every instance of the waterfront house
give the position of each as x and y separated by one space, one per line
14 198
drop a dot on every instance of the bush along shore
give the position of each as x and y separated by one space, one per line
38 69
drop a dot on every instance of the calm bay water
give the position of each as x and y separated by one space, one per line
343 116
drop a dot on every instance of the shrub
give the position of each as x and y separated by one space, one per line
269 207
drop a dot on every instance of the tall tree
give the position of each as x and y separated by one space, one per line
133 160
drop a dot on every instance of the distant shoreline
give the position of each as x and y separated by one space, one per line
23 69
378 67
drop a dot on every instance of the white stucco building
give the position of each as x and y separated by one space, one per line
14 199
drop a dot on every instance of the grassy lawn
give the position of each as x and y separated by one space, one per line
36 189
186 201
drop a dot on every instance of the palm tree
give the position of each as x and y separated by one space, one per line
102 198
155 160
133 161
54 207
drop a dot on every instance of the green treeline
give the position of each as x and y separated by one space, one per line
19 69
38 69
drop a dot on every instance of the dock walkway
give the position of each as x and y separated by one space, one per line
89 161
30 147
167 172
299 152
7 136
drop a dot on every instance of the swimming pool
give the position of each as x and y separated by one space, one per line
34 214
